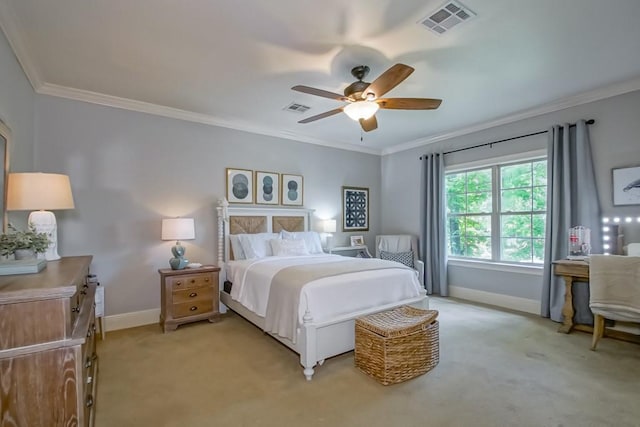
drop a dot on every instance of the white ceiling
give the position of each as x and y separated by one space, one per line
232 63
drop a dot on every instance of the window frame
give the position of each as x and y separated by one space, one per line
496 194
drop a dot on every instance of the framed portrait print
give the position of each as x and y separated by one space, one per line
292 190
267 188
355 209
626 186
239 185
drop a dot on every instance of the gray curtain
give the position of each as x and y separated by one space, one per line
433 245
572 200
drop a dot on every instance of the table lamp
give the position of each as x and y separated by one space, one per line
329 226
40 193
178 229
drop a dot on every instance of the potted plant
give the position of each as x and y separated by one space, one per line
23 244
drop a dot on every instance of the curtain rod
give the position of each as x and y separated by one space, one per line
589 122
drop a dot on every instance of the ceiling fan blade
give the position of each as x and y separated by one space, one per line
369 124
319 92
322 115
409 103
388 80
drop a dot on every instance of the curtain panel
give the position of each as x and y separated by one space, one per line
572 199
433 243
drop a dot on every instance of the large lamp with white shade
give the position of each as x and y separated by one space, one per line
178 229
40 193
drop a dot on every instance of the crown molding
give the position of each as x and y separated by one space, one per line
560 104
15 37
175 113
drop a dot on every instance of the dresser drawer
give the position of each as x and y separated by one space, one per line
193 295
188 281
192 308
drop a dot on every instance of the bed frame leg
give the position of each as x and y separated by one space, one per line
308 354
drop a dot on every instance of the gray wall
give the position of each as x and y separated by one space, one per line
16 107
129 170
615 139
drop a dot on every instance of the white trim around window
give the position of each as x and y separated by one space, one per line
531 269
510 158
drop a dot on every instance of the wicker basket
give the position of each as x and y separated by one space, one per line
397 345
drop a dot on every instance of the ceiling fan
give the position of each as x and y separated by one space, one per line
364 99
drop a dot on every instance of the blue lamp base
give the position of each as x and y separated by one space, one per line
178 262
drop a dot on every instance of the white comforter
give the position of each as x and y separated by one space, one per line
326 298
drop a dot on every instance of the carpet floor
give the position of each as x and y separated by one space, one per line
497 368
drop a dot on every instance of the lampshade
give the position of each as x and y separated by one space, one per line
178 229
361 109
38 191
329 226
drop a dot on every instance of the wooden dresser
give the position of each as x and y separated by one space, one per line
188 295
48 360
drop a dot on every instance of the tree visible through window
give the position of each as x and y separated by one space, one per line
498 213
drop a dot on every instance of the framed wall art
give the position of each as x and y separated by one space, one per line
267 188
239 185
355 209
626 186
292 193
357 240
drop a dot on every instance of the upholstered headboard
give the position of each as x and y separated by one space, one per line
251 220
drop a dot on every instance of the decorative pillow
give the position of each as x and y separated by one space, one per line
288 247
236 247
257 245
405 258
311 240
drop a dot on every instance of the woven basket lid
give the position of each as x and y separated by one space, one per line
400 321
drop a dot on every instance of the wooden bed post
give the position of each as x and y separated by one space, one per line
308 355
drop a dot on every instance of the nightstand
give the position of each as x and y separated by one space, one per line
361 250
188 295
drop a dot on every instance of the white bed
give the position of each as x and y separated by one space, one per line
324 329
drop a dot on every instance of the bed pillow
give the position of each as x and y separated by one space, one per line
236 247
405 258
257 245
282 247
311 239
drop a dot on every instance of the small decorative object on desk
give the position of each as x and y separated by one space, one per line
24 247
579 242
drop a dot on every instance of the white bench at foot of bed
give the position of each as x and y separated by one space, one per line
319 341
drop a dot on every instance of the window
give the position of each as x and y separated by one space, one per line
498 212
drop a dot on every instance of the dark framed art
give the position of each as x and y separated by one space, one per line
626 186
292 192
267 188
355 209
239 185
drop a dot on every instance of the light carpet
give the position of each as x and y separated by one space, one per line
497 368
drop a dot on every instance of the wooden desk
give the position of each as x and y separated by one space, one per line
570 271
573 271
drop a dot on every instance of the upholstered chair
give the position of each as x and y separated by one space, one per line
402 248
614 287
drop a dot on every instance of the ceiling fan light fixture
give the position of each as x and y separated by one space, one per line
361 110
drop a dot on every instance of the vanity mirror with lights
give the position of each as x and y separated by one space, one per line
619 232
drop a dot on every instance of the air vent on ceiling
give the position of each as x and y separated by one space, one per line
447 16
297 108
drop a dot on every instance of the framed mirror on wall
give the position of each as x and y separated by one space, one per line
5 141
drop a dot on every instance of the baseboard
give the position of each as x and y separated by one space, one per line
505 301
131 320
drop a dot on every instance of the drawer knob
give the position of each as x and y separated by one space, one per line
193 280
194 308
75 309
178 283
193 294
206 279
89 402
89 333
88 363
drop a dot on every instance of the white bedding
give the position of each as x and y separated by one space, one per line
326 298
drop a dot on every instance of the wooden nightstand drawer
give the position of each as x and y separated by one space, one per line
193 295
189 281
188 295
192 308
